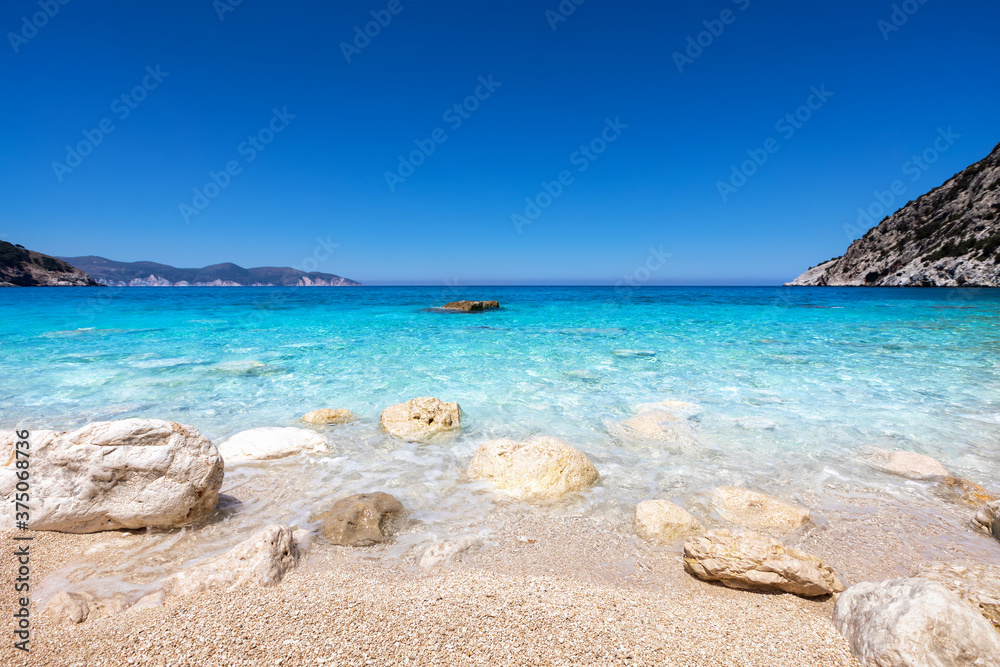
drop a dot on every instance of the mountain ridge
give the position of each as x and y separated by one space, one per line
947 237
20 267
226 274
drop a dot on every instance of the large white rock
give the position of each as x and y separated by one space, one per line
662 522
976 583
914 623
540 468
753 509
751 561
259 561
132 473
262 444
910 464
421 418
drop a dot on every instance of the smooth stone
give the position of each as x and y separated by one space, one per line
328 416
654 425
261 560
662 522
751 561
979 585
421 418
472 306
753 509
914 623
914 466
272 442
360 520
126 474
447 551
540 468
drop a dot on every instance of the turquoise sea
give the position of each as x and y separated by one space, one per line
792 385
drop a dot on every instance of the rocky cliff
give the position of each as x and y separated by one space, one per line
151 274
949 237
20 267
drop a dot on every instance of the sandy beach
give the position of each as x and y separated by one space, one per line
549 588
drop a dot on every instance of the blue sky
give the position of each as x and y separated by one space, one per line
591 99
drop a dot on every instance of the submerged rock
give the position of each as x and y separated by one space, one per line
674 407
914 623
662 522
979 585
654 425
912 465
421 418
539 468
127 474
360 520
327 416
751 561
261 560
471 306
263 444
753 509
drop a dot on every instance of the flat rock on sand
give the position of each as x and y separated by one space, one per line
132 473
663 522
421 418
752 561
914 623
911 465
753 509
653 425
540 468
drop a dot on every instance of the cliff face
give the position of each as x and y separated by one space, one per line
20 267
949 237
151 274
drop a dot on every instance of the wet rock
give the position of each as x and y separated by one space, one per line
360 520
261 560
264 444
662 522
914 623
132 473
78 607
447 551
987 519
327 416
979 585
472 306
965 491
753 509
421 418
672 406
539 468
654 425
912 465
751 561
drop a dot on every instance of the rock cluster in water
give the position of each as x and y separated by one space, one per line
471 306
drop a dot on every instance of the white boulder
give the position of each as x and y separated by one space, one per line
263 444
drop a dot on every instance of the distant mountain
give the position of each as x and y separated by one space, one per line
151 274
20 267
948 237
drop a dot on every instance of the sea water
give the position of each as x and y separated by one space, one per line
791 386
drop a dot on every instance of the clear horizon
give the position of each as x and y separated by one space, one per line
714 144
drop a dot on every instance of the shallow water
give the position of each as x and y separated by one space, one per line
792 385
